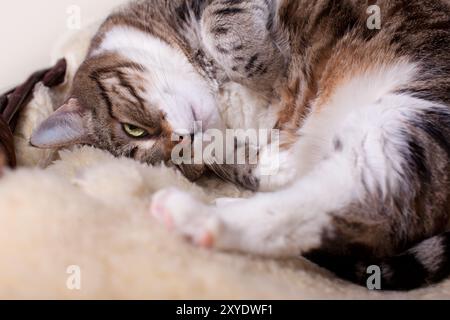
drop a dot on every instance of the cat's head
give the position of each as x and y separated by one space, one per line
129 109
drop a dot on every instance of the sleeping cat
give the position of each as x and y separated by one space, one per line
363 116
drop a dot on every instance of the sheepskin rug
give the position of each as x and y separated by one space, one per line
85 208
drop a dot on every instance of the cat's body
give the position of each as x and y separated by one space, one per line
364 116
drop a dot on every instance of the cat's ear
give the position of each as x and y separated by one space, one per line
63 128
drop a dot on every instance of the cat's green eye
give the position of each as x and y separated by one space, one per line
133 131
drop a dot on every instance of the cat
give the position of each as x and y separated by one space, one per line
363 115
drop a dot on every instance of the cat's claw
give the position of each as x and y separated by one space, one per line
182 213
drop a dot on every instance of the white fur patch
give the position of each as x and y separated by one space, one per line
364 115
173 84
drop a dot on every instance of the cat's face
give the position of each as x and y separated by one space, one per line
129 110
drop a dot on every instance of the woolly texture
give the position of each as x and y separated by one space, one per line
83 207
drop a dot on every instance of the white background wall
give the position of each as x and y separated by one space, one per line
30 28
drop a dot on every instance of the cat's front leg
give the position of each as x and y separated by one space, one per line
264 225
242 37
285 223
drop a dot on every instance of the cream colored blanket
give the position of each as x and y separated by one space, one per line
75 224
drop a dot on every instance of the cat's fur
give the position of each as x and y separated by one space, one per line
364 115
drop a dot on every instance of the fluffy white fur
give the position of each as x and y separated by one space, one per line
91 210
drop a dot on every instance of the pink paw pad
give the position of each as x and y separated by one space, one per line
160 212
207 240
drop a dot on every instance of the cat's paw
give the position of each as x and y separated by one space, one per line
182 213
275 170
